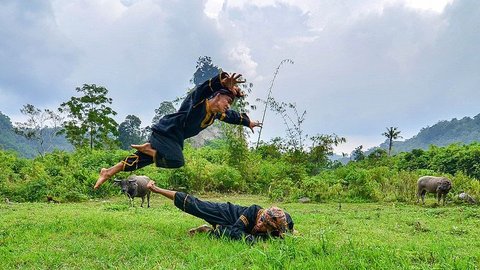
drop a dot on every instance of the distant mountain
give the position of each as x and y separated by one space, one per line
211 133
443 133
9 140
341 158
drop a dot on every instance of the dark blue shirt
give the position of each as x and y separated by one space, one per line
194 114
229 220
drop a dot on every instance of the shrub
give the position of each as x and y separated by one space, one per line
281 176
317 189
74 196
277 173
474 190
282 190
361 187
403 187
226 178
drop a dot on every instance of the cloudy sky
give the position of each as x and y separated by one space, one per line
359 66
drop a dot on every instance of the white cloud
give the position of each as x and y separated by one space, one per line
359 65
240 55
213 8
433 5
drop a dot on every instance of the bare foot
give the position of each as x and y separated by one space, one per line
150 184
104 176
145 148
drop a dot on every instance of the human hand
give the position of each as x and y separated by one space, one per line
231 81
254 124
250 239
237 91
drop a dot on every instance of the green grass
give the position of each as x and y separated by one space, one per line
110 234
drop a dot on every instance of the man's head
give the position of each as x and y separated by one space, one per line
221 101
274 221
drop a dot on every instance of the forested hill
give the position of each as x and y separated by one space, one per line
465 130
443 133
9 140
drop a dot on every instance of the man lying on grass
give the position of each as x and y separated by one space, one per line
230 220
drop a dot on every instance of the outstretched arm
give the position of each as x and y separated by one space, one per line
165 192
233 117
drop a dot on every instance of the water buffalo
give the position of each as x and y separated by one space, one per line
433 184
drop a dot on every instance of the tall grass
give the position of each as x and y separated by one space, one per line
110 234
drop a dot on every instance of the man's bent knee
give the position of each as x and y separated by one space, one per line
176 164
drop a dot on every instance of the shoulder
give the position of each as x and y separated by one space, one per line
254 208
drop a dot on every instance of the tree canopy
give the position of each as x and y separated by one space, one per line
129 132
90 123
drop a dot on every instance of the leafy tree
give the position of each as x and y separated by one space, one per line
377 154
9 140
129 132
36 128
271 150
166 107
145 133
414 160
392 134
90 121
205 70
357 154
322 147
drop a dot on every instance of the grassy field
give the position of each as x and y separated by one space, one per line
110 234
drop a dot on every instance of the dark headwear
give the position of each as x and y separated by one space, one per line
289 222
224 92
227 92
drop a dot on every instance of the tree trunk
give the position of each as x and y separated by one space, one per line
390 146
91 139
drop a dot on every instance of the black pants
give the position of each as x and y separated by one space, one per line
212 212
169 155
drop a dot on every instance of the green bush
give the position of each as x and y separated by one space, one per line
317 189
460 183
179 179
74 196
403 186
474 190
281 176
260 176
282 190
227 179
361 187
283 179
